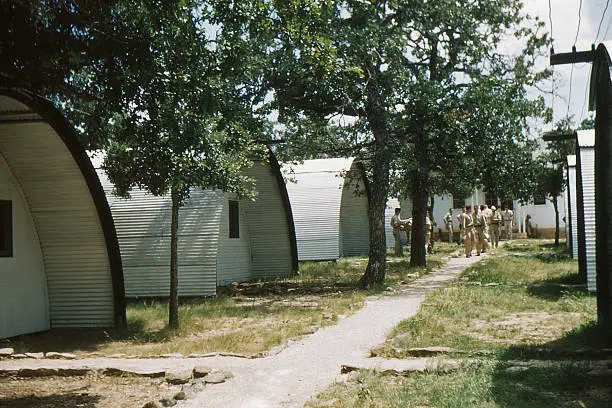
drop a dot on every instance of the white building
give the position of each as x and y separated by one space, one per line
221 239
59 259
542 213
330 208
585 192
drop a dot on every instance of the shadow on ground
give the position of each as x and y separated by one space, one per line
557 374
51 401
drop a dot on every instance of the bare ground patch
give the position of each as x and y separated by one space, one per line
524 327
85 392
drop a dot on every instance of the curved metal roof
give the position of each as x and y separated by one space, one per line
20 107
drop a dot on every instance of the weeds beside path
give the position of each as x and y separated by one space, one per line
524 326
245 319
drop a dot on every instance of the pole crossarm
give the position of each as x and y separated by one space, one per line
573 57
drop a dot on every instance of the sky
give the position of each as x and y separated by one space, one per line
564 28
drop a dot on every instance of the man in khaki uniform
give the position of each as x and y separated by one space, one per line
448 224
460 221
428 229
398 225
508 222
494 226
482 230
468 230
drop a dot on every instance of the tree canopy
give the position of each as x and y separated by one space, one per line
416 89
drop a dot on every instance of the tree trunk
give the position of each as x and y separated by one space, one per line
420 195
556 207
378 189
173 305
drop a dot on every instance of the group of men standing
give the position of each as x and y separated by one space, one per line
479 228
399 225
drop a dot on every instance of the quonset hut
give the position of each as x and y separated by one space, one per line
585 193
330 208
221 239
59 258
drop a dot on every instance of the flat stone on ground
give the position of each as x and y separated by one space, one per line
60 356
36 356
178 377
7 352
396 366
200 371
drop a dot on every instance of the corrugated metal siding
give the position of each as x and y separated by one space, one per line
315 202
587 173
234 254
143 229
268 227
573 204
567 215
354 224
72 241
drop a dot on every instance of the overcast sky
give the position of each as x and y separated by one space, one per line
564 28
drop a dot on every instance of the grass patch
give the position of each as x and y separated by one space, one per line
237 321
524 304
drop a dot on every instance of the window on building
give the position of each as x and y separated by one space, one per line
539 200
234 219
458 202
6 228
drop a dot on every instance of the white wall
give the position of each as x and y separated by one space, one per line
23 287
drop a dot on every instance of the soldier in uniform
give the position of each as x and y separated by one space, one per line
508 222
460 221
467 221
494 226
482 230
428 229
398 225
448 224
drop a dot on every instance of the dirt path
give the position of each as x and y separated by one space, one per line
305 368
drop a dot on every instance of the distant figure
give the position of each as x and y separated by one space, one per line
494 224
448 224
529 227
482 230
428 228
508 222
468 230
398 225
460 221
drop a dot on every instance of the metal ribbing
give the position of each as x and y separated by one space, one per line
72 241
573 205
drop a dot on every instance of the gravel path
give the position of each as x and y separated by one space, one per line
303 369
309 366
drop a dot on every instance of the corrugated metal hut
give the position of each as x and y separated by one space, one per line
59 258
573 204
330 208
600 100
221 239
585 179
